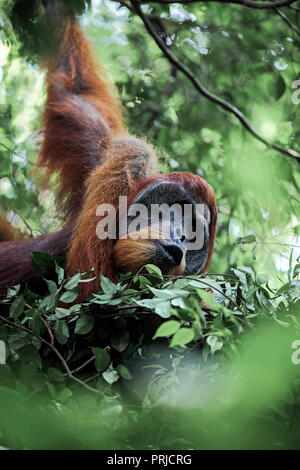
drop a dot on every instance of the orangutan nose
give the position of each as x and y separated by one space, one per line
173 252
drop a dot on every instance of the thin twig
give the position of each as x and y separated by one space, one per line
214 288
49 331
274 243
56 352
202 90
83 365
287 20
24 222
246 3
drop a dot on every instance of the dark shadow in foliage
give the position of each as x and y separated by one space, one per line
35 33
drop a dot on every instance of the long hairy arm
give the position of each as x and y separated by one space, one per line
15 256
81 115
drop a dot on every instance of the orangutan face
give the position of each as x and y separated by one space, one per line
166 227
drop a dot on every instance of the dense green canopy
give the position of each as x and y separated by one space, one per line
247 57
215 87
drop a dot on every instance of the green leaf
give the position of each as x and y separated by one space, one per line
47 303
61 331
154 270
111 376
178 302
245 240
12 291
204 284
207 298
143 281
162 308
29 355
75 308
182 336
108 286
84 325
53 289
55 375
296 229
60 273
279 87
102 358
168 293
64 394
240 275
90 279
214 343
120 340
51 390
73 282
17 307
181 283
262 279
105 299
68 296
167 329
124 372
248 270
285 288
60 312
296 270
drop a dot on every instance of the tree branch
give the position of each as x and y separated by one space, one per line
202 90
247 3
287 20
56 352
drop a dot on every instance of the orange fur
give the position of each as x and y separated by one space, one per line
106 184
133 254
7 232
80 116
87 144
126 161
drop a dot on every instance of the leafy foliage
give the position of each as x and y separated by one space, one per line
135 341
144 361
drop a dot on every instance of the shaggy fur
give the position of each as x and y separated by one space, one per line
86 143
7 232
